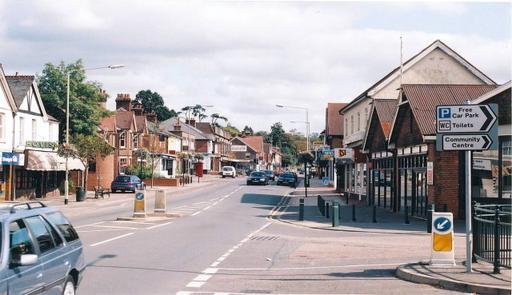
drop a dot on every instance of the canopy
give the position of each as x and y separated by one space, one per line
51 161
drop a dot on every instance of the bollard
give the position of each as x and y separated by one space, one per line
139 204
407 214
301 209
327 210
335 214
160 203
497 241
347 198
374 214
429 218
353 212
339 209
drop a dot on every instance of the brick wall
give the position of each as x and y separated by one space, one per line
201 146
162 182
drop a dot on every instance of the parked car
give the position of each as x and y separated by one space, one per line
257 177
228 171
287 178
270 175
126 183
43 253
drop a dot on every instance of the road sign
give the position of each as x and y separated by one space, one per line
442 239
467 142
465 118
139 204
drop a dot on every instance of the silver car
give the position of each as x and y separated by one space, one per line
40 252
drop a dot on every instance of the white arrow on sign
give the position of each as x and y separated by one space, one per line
466 142
465 119
440 226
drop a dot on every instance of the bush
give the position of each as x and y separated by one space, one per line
136 170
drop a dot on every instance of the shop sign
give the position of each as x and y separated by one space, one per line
16 159
41 144
481 164
239 148
430 173
344 153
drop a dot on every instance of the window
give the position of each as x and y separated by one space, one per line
352 124
122 140
41 233
64 226
135 141
2 126
358 121
34 129
22 131
366 115
20 242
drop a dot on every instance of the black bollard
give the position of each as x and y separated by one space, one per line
407 214
327 210
429 217
374 214
301 209
353 212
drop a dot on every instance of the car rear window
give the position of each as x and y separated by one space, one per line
288 175
64 226
258 174
123 178
227 168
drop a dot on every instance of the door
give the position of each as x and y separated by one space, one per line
22 279
52 254
420 192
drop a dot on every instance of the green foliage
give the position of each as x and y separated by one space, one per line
135 169
89 146
305 157
85 96
153 102
215 117
232 130
247 131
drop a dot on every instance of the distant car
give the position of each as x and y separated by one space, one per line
287 178
41 251
126 183
257 177
228 171
270 175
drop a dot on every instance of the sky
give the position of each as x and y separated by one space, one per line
245 57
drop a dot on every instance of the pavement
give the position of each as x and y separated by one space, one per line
393 226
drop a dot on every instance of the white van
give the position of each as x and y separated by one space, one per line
228 171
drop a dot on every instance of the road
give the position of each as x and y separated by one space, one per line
224 242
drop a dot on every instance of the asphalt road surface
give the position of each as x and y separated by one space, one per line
225 243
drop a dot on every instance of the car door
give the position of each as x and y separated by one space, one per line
52 254
22 279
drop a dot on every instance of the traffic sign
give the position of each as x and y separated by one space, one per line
442 239
442 224
467 142
465 118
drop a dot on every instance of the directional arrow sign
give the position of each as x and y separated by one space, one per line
466 142
465 118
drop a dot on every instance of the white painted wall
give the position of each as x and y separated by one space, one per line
7 123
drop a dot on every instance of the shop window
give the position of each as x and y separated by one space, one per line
24 179
506 164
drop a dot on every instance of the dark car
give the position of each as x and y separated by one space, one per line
287 178
270 175
257 177
126 183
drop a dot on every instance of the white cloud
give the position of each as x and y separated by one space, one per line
242 57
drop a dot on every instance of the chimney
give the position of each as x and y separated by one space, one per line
191 122
123 100
151 117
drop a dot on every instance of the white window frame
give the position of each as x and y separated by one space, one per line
122 138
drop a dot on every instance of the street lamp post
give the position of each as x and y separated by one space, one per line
307 120
66 181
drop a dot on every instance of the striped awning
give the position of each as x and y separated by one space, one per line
51 161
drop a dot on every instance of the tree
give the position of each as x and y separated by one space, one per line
247 131
232 130
84 97
86 148
215 117
154 103
198 111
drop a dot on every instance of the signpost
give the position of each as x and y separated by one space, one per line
139 204
442 239
467 128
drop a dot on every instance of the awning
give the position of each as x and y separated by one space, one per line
51 161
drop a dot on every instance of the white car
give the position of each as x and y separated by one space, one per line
228 171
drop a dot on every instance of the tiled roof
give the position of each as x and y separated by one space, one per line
266 148
124 119
386 109
423 99
255 142
334 121
19 85
168 125
141 123
108 123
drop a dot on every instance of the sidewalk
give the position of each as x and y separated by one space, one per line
481 281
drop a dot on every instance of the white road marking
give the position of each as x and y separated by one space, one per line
194 284
110 240
313 267
117 227
159 225
210 270
90 224
196 213
134 222
202 278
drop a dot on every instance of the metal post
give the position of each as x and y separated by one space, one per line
469 232
374 214
66 181
429 217
327 210
301 209
353 212
497 240
306 180
335 214
406 213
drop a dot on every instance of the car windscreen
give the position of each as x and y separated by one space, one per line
257 174
123 179
227 168
268 172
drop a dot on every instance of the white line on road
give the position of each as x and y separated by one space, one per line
110 240
194 284
202 278
159 225
210 270
90 224
117 227
134 222
196 213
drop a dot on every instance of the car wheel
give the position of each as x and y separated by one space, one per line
69 286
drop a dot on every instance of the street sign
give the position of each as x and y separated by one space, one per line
442 239
464 142
465 118
139 204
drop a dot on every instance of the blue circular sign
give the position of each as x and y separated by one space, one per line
139 196
442 224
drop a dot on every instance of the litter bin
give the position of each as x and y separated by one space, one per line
80 194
